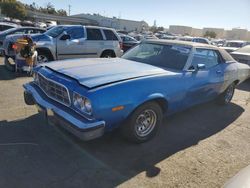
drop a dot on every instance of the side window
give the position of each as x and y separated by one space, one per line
76 33
110 35
20 31
205 56
34 31
94 34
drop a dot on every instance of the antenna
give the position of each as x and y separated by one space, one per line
69 9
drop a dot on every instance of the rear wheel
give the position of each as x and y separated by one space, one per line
227 95
143 123
43 56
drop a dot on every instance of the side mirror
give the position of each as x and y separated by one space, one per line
65 37
201 66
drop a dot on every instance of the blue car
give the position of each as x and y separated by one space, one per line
89 97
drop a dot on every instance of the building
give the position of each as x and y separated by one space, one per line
197 32
237 34
116 23
180 30
38 16
234 34
220 32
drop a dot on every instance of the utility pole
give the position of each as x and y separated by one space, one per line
69 9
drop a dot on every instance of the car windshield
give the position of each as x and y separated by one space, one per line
161 55
55 31
245 49
234 44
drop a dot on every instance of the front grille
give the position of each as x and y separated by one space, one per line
54 90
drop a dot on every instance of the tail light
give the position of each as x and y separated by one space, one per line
14 46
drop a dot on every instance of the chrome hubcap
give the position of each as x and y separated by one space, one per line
229 94
42 59
145 123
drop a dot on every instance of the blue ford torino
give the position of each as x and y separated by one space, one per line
89 97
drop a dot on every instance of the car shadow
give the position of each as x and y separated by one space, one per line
31 148
245 86
8 75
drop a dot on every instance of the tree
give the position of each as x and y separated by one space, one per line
155 29
210 34
62 12
13 9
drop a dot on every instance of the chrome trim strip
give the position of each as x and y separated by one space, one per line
57 84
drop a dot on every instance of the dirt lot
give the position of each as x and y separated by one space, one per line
200 147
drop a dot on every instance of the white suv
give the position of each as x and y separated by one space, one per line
72 41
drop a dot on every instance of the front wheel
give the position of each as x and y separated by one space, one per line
227 95
143 123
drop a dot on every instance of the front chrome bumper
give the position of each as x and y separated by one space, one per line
59 115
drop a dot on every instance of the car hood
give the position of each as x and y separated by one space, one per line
35 37
96 72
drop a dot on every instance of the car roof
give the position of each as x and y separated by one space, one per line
87 26
98 27
9 24
184 43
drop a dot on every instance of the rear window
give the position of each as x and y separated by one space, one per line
94 34
110 35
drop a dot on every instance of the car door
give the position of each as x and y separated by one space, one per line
207 77
74 46
95 42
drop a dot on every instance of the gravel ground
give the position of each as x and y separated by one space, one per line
200 147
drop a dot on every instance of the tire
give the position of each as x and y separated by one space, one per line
108 54
8 65
141 132
28 99
43 57
226 97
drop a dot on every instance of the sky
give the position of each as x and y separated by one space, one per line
195 13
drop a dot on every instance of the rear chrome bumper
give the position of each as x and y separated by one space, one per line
59 115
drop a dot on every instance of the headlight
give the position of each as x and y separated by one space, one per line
82 103
87 105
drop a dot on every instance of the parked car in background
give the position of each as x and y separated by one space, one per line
27 23
89 97
233 45
185 38
41 24
5 25
201 40
242 55
18 30
218 42
70 41
128 42
51 23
